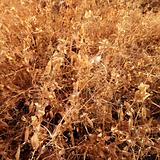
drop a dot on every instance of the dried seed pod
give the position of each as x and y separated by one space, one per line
26 134
48 68
17 156
130 122
121 114
35 141
144 112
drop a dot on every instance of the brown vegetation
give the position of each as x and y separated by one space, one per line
79 79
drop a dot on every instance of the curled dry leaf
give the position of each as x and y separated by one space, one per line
35 121
142 93
88 14
35 141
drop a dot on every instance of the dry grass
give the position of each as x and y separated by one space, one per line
79 79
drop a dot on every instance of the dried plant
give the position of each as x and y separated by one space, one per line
79 79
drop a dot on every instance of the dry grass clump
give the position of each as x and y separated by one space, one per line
79 79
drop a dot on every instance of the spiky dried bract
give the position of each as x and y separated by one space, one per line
79 79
